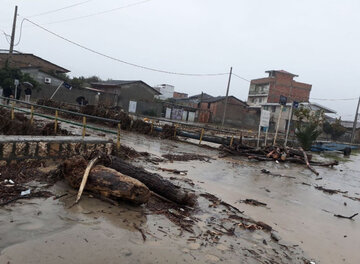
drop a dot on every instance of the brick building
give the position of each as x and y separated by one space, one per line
268 89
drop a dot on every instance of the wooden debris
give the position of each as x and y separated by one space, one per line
329 191
175 171
274 153
253 202
154 182
307 162
105 182
346 217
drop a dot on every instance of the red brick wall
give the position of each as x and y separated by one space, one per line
285 85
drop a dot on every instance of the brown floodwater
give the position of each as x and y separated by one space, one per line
94 232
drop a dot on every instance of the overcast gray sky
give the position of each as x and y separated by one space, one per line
317 39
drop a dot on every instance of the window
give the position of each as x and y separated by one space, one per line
273 108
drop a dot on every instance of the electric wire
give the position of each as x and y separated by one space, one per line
59 9
242 78
123 61
98 13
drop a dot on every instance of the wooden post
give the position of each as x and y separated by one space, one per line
278 124
84 127
226 98
232 140
12 110
266 135
152 126
118 138
175 131
258 137
355 122
56 121
32 115
201 135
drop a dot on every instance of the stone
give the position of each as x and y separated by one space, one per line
7 150
32 149
42 149
20 148
54 149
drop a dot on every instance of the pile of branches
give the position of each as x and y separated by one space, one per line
276 153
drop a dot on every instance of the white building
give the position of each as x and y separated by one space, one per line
166 90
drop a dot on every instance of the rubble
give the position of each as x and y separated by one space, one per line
275 153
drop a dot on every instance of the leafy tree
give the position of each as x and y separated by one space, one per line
9 74
309 126
335 130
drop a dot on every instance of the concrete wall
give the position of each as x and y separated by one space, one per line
51 147
40 76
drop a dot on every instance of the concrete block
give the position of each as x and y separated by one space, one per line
64 150
72 149
32 149
7 150
20 149
42 149
54 149
108 147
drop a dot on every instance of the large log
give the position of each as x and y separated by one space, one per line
105 181
154 182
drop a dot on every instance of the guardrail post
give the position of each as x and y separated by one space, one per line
32 115
118 138
232 140
201 135
12 110
175 131
84 126
56 121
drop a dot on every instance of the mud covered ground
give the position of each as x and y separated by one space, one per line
48 231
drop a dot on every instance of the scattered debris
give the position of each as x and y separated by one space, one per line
275 153
329 191
252 202
181 172
346 217
104 181
265 171
186 157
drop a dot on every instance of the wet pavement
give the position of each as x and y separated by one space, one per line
94 232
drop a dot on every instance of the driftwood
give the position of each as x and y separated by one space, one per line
277 153
105 181
154 182
307 162
85 177
346 217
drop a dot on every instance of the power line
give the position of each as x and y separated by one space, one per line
242 78
59 9
122 61
98 13
344 99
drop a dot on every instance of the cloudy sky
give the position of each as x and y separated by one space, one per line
318 40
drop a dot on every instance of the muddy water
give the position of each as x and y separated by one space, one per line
301 214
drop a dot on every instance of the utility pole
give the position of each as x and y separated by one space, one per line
355 122
290 116
13 31
226 98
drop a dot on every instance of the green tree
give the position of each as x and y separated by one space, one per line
9 74
335 130
309 126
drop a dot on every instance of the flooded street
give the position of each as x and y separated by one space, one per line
301 214
48 231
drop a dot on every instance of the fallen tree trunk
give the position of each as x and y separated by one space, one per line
105 181
154 182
